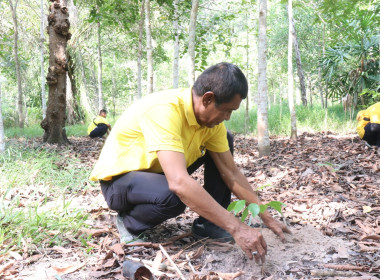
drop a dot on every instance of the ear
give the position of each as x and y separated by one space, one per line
208 98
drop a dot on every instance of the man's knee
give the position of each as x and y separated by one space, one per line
172 206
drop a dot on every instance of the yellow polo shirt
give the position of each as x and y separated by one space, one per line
160 121
371 114
97 120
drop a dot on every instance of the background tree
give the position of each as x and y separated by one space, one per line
191 49
58 30
262 89
293 120
21 118
149 47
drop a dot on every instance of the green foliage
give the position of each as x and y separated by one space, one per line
36 191
36 224
253 209
309 119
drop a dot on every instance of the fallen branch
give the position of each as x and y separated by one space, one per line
345 267
332 273
374 237
6 267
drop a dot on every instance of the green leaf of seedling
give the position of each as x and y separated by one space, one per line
231 206
245 214
254 209
239 206
263 207
276 205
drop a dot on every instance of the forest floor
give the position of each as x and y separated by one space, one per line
329 183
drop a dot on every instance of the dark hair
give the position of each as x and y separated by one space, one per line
225 80
103 111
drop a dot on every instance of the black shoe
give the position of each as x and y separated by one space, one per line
209 230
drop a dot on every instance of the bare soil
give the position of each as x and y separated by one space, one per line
329 183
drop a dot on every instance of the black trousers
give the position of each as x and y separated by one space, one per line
99 130
144 200
372 134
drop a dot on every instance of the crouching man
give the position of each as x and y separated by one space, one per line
145 163
99 126
368 127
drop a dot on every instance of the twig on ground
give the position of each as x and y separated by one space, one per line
191 266
172 263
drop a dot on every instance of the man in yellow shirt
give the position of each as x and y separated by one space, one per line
145 163
99 126
368 127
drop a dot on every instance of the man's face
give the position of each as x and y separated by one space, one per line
213 115
104 115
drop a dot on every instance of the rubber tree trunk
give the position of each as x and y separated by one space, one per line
149 48
191 49
300 73
246 117
58 30
20 111
84 87
42 49
100 72
262 89
293 121
2 136
176 46
139 52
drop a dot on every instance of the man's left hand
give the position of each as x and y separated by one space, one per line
277 227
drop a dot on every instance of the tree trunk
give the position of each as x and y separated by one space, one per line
21 117
84 91
139 54
2 136
58 30
42 41
293 120
191 50
100 73
70 116
149 48
246 118
114 86
262 89
176 46
299 64
73 111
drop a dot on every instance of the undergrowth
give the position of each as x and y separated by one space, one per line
37 186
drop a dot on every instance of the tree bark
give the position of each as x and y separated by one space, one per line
300 73
191 49
73 111
176 46
293 120
42 41
139 53
2 136
149 48
58 30
84 92
21 117
262 106
100 72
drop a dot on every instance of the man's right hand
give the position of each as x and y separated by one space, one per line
252 242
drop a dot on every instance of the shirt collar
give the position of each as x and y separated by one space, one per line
189 110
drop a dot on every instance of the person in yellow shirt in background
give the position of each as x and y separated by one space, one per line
369 124
145 163
99 126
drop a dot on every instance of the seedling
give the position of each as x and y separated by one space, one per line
253 209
